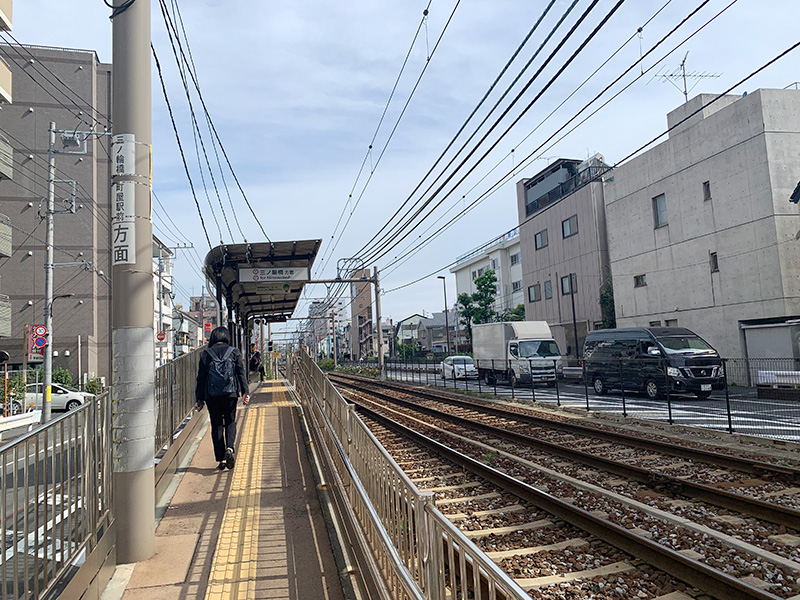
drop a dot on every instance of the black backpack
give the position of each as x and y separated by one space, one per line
221 380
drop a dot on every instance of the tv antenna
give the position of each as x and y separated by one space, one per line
680 74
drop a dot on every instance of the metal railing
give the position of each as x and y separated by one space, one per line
56 498
759 397
419 552
175 383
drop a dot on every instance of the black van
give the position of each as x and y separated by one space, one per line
648 359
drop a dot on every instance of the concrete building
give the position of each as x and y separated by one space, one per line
562 232
162 299
6 171
203 309
363 342
81 321
502 255
701 233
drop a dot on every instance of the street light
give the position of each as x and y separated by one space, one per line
446 321
48 357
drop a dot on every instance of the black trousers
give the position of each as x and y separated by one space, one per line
222 412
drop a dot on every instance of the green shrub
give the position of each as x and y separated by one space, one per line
62 376
94 386
326 364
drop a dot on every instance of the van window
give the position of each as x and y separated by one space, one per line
538 349
685 344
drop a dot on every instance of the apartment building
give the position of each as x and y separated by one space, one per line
363 342
563 248
82 301
500 254
701 232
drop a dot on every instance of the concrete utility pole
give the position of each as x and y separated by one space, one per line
378 316
132 339
446 323
48 276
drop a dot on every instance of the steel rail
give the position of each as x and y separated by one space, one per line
768 511
731 462
709 580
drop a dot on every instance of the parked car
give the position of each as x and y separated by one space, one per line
648 359
458 367
61 397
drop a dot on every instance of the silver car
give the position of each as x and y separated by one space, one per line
458 367
61 397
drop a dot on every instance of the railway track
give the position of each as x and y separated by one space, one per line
642 513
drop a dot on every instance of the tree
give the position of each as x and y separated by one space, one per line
484 297
477 308
62 376
514 314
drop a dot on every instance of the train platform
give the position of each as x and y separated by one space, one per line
256 531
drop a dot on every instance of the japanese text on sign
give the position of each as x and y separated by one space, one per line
123 238
252 274
124 146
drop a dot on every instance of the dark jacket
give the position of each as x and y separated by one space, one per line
202 373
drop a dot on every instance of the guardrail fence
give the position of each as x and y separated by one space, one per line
418 552
758 397
55 485
56 498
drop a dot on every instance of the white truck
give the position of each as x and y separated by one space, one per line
516 351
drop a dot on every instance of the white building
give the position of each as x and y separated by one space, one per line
502 255
162 295
701 233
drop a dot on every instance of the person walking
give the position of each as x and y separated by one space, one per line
221 378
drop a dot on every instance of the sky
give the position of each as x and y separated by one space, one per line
297 91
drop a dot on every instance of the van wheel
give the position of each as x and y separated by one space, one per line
443 375
513 381
15 408
651 389
73 404
488 379
599 385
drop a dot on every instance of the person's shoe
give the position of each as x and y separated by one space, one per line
229 458
221 466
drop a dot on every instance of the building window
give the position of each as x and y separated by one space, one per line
548 290
516 286
474 275
569 227
515 259
566 288
660 211
494 265
714 262
535 293
671 323
541 239
655 323
481 272
639 280
706 190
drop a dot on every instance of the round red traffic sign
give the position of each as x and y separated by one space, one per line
40 342
40 330
161 336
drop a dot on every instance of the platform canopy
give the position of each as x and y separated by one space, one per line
263 279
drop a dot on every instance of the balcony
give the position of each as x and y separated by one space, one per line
5 316
5 14
564 189
5 237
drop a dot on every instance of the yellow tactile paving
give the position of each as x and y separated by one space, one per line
275 392
233 572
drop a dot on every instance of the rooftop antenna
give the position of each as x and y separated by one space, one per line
680 74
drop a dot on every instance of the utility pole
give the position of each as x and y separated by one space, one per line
378 316
132 339
80 369
48 276
572 278
446 323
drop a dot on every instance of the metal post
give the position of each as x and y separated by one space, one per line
622 389
48 276
727 394
558 392
585 385
446 320
572 279
533 384
666 386
378 319
80 368
132 340
494 378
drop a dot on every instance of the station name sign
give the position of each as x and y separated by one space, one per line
277 274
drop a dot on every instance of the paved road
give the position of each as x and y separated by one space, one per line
748 414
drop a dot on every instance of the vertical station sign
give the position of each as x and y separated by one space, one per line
123 226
